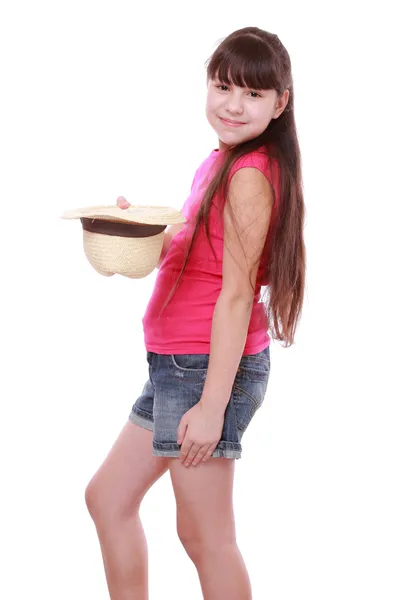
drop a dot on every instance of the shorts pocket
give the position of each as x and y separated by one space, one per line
253 372
255 367
190 362
190 367
249 389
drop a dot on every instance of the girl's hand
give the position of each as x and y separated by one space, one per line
199 432
122 202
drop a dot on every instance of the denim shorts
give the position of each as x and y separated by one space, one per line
175 385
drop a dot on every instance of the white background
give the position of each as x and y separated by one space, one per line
104 99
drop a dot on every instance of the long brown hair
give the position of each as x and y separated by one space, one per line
257 59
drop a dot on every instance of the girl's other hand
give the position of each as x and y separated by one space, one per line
122 202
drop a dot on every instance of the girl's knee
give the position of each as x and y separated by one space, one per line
92 498
102 505
201 545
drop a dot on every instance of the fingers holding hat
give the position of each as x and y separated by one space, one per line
122 202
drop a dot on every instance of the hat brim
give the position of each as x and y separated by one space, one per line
151 215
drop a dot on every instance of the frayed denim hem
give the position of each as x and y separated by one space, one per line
223 450
140 420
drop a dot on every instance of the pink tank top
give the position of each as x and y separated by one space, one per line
184 327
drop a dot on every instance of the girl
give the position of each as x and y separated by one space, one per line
206 333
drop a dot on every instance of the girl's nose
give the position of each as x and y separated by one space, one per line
235 103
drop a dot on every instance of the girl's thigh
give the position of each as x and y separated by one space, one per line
126 474
204 500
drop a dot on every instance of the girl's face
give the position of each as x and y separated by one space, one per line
240 114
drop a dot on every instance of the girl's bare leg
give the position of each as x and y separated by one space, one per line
206 527
113 497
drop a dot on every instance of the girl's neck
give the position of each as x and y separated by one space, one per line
224 147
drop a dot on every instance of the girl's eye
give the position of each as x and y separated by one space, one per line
222 85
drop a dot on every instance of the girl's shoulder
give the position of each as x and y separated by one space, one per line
258 159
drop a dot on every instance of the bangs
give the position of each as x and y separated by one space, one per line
248 62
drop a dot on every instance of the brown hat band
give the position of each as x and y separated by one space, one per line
117 228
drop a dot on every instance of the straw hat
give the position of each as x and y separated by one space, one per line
127 241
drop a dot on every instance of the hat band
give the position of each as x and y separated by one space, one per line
117 228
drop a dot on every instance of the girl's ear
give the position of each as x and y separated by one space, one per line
281 104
